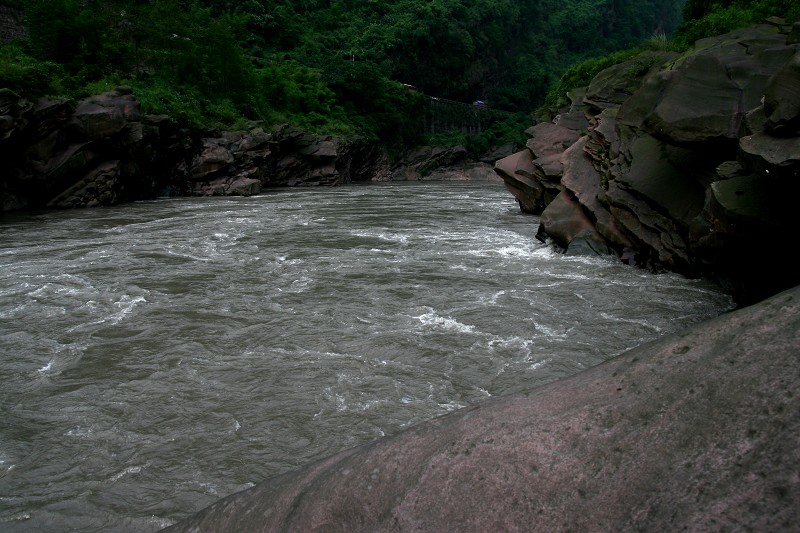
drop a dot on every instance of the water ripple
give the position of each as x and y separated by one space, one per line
160 355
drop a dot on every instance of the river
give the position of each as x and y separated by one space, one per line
157 356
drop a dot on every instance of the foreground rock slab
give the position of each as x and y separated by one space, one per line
698 431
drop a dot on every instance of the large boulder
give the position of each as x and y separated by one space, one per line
518 172
696 431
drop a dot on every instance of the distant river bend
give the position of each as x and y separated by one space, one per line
157 356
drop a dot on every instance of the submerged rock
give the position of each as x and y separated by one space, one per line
696 431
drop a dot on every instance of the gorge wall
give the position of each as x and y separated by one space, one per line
58 153
685 163
103 150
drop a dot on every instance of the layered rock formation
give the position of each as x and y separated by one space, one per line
688 163
103 150
694 432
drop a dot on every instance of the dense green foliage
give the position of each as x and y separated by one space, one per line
338 66
702 18
705 18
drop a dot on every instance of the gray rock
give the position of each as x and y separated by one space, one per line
565 221
696 431
614 85
698 103
644 173
782 99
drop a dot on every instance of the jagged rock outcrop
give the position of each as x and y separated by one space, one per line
103 150
59 153
696 431
686 163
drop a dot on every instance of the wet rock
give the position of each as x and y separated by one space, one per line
213 159
695 431
519 174
644 172
782 100
568 225
54 148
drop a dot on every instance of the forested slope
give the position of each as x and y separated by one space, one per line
330 65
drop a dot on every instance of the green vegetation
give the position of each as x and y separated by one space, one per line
705 18
702 18
339 66
713 17
579 75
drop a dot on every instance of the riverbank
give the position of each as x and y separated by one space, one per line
696 431
104 151
683 163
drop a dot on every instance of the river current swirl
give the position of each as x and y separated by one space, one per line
157 356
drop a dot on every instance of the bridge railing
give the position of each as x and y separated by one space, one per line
445 116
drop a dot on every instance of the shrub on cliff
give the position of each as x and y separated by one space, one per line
579 75
26 75
704 18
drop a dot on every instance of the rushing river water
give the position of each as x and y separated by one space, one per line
157 356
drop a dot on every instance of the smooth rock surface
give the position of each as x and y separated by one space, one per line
697 431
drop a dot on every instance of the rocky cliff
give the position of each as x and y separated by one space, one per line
58 153
103 150
685 163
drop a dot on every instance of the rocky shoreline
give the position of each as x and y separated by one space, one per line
104 151
696 432
687 164
677 163
683 163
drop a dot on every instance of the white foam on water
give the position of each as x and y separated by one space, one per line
46 368
538 364
491 300
549 332
446 323
126 305
389 236
514 251
514 341
566 275
451 406
638 322
128 471
180 253
6 464
79 432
